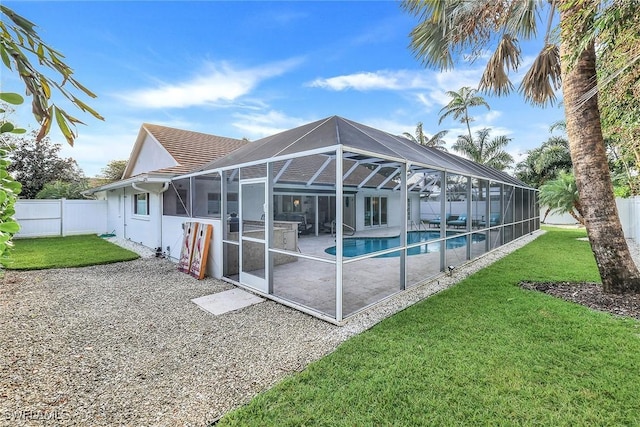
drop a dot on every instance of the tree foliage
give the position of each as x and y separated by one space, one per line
449 29
485 151
561 196
545 162
458 106
9 187
619 91
35 163
422 138
20 45
63 190
113 171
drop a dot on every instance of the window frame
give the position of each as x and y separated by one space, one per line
136 200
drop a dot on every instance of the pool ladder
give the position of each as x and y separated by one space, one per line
351 230
412 225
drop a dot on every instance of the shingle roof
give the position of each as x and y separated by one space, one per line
191 149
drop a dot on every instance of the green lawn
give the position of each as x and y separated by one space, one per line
484 352
60 252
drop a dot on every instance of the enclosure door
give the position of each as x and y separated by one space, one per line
253 253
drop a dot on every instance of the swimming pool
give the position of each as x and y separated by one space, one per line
357 246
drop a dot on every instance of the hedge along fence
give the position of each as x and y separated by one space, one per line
60 217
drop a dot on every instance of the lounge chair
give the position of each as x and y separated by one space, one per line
436 221
460 221
494 220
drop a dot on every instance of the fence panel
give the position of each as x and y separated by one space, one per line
629 212
43 218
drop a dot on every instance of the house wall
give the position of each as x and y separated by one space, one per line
415 208
394 213
172 236
115 210
152 157
143 229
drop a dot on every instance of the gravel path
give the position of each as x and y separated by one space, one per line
122 344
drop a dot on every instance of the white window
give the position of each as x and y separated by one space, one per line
141 204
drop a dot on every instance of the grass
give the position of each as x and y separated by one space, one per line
484 352
62 252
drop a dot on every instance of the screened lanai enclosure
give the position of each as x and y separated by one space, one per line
334 216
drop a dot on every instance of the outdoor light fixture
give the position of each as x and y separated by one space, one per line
451 268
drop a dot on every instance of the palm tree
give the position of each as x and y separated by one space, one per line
421 138
485 151
545 163
451 28
459 106
561 196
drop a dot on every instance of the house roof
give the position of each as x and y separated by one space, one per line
186 149
191 149
355 138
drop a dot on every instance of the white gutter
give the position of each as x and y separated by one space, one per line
126 183
165 187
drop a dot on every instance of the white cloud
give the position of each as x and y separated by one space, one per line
457 78
258 125
218 83
490 116
378 80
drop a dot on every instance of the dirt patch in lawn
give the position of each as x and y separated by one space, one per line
590 295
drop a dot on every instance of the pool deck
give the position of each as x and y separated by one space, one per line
366 281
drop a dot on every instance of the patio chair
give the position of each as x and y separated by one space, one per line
460 221
436 221
494 220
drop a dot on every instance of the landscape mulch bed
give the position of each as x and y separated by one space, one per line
590 295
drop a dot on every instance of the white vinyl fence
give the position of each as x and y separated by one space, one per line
61 217
629 212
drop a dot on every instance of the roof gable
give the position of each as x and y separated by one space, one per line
162 149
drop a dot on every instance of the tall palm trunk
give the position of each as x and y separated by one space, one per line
590 167
466 120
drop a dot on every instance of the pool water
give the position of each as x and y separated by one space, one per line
357 246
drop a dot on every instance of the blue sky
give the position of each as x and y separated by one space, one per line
251 69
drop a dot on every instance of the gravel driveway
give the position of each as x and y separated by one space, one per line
122 344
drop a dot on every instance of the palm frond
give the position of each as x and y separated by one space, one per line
435 9
543 78
436 140
431 46
560 194
409 137
560 124
460 102
501 161
521 20
495 78
497 144
466 146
